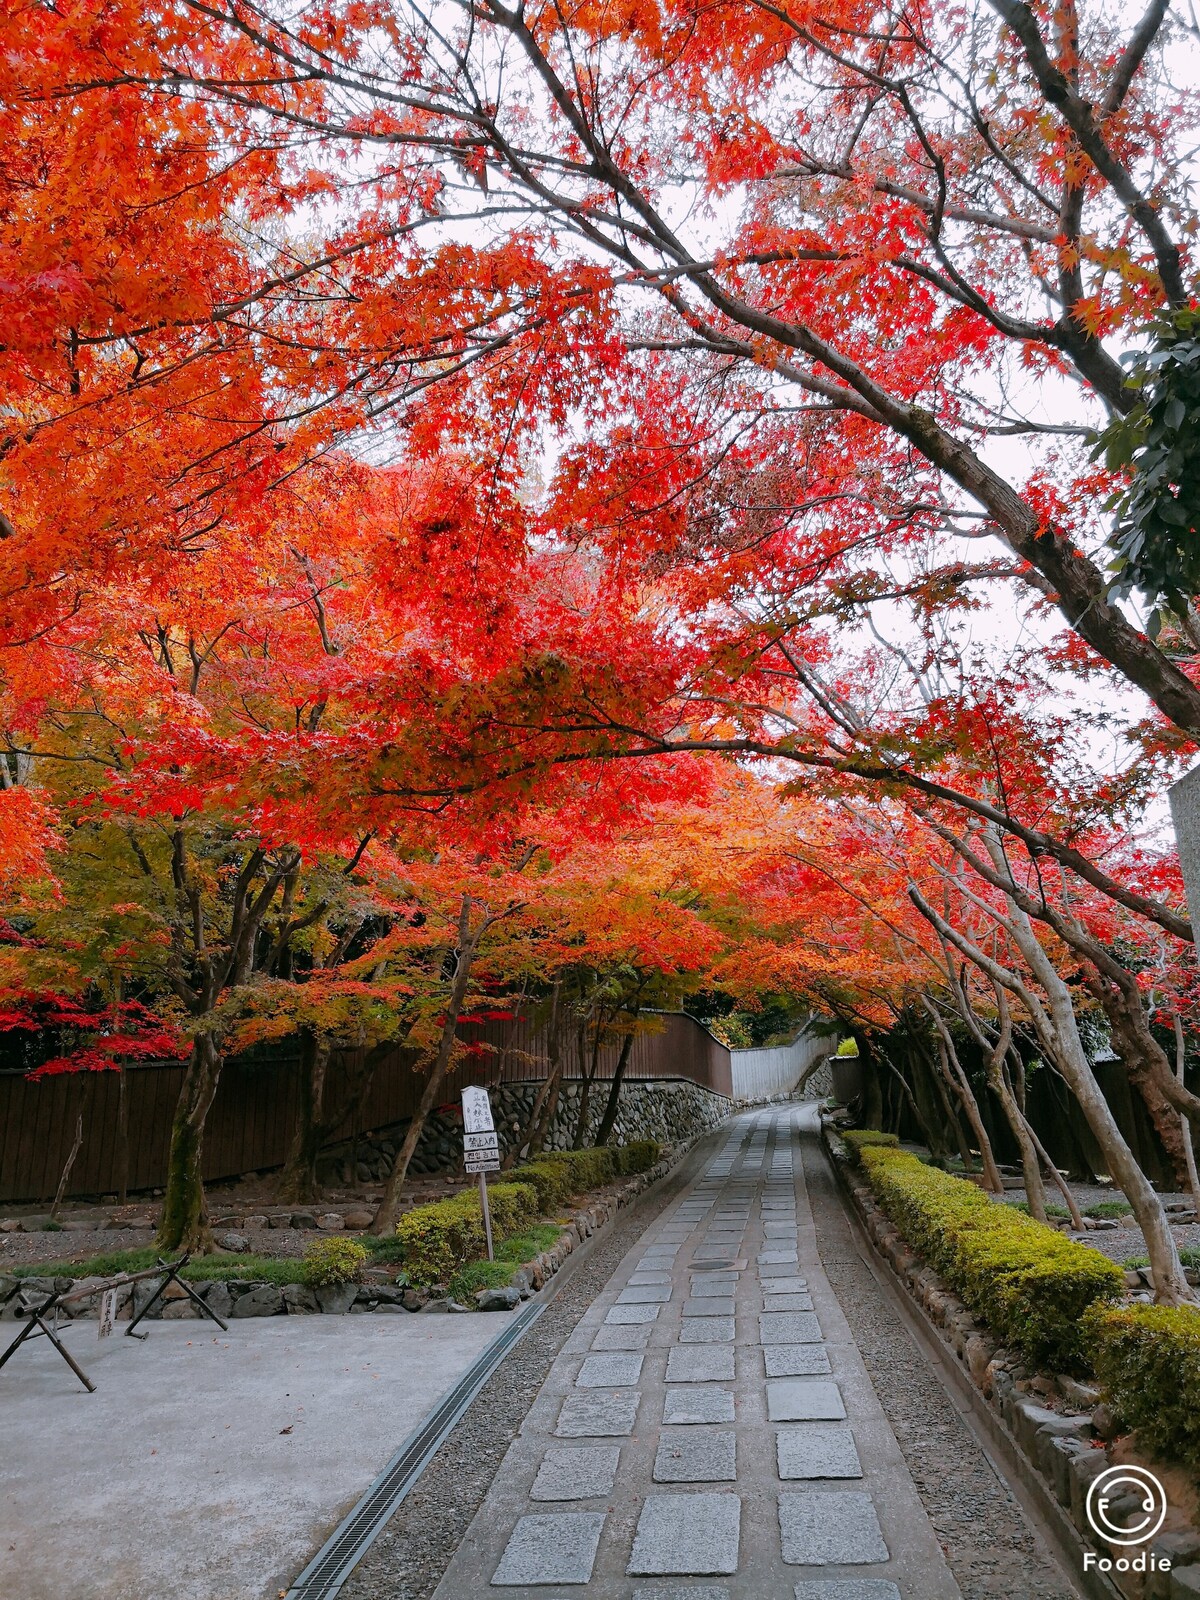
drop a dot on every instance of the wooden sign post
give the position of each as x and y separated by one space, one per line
481 1149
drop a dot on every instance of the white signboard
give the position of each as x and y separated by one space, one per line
483 1161
108 1313
477 1111
480 1141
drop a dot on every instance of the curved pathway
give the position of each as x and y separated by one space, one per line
709 1431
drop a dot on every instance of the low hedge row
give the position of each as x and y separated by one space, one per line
858 1139
1148 1359
1029 1284
566 1172
439 1239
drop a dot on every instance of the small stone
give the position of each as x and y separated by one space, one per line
303 1219
236 1244
358 1219
335 1299
1104 1422
1185 1583
257 1222
263 1300
10 1225
551 1549
331 1222
506 1299
299 1299
820 1529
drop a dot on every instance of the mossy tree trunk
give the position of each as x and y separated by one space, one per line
184 1221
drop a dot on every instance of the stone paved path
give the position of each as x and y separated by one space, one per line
709 1431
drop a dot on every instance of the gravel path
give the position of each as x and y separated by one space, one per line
993 1550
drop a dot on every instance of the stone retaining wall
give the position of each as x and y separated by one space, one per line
666 1109
247 1298
1057 1425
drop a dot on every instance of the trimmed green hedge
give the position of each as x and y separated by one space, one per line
441 1237
1148 1359
857 1140
1026 1281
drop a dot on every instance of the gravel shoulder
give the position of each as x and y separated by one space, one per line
993 1550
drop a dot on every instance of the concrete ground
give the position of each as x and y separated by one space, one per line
709 1431
207 1466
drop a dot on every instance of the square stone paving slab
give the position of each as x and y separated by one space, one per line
687 1534
551 1549
711 1285
697 1455
639 1279
779 1230
787 1327
804 1400
577 1474
817 1453
697 1403
709 1306
635 1338
707 1330
786 1302
624 1316
609 1414
777 1258
794 1360
830 1529
674 1591
700 1364
848 1589
615 1371
646 1294
790 1284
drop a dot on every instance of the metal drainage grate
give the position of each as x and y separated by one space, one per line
333 1563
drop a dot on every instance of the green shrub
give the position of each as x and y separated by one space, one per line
332 1261
586 1169
1107 1208
551 1179
857 1139
440 1238
1189 1256
1148 1359
1026 1281
639 1155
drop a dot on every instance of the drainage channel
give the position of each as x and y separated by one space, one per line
333 1563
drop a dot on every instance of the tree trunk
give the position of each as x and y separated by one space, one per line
585 1094
1060 1183
122 1133
184 1221
1035 1192
1189 1148
468 943
608 1120
960 1083
298 1181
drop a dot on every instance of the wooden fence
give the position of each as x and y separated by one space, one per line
255 1110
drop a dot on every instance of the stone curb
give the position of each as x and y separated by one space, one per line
1060 1452
246 1297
